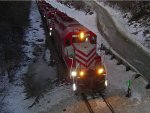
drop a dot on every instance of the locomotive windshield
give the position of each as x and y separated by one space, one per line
77 40
83 37
92 40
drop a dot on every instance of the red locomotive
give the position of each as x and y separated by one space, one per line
77 47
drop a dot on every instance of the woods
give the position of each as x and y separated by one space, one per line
13 21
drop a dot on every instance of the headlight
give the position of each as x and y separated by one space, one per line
81 73
73 73
50 29
100 71
82 35
106 83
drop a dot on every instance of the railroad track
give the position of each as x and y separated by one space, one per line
87 103
90 107
107 103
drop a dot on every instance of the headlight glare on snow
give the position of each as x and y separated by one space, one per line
50 33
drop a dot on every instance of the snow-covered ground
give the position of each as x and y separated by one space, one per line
61 99
135 31
35 37
34 34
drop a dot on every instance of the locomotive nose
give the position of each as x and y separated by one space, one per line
90 73
85 54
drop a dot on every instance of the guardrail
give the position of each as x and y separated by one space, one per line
114 55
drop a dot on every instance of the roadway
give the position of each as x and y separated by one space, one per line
131 52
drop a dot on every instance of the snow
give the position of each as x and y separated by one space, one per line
34 33
118 78
47 55
134 32
61 99
15 98
17 104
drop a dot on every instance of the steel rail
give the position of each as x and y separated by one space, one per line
87 103
107 103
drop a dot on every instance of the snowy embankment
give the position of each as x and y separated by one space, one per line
14 100
135 31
